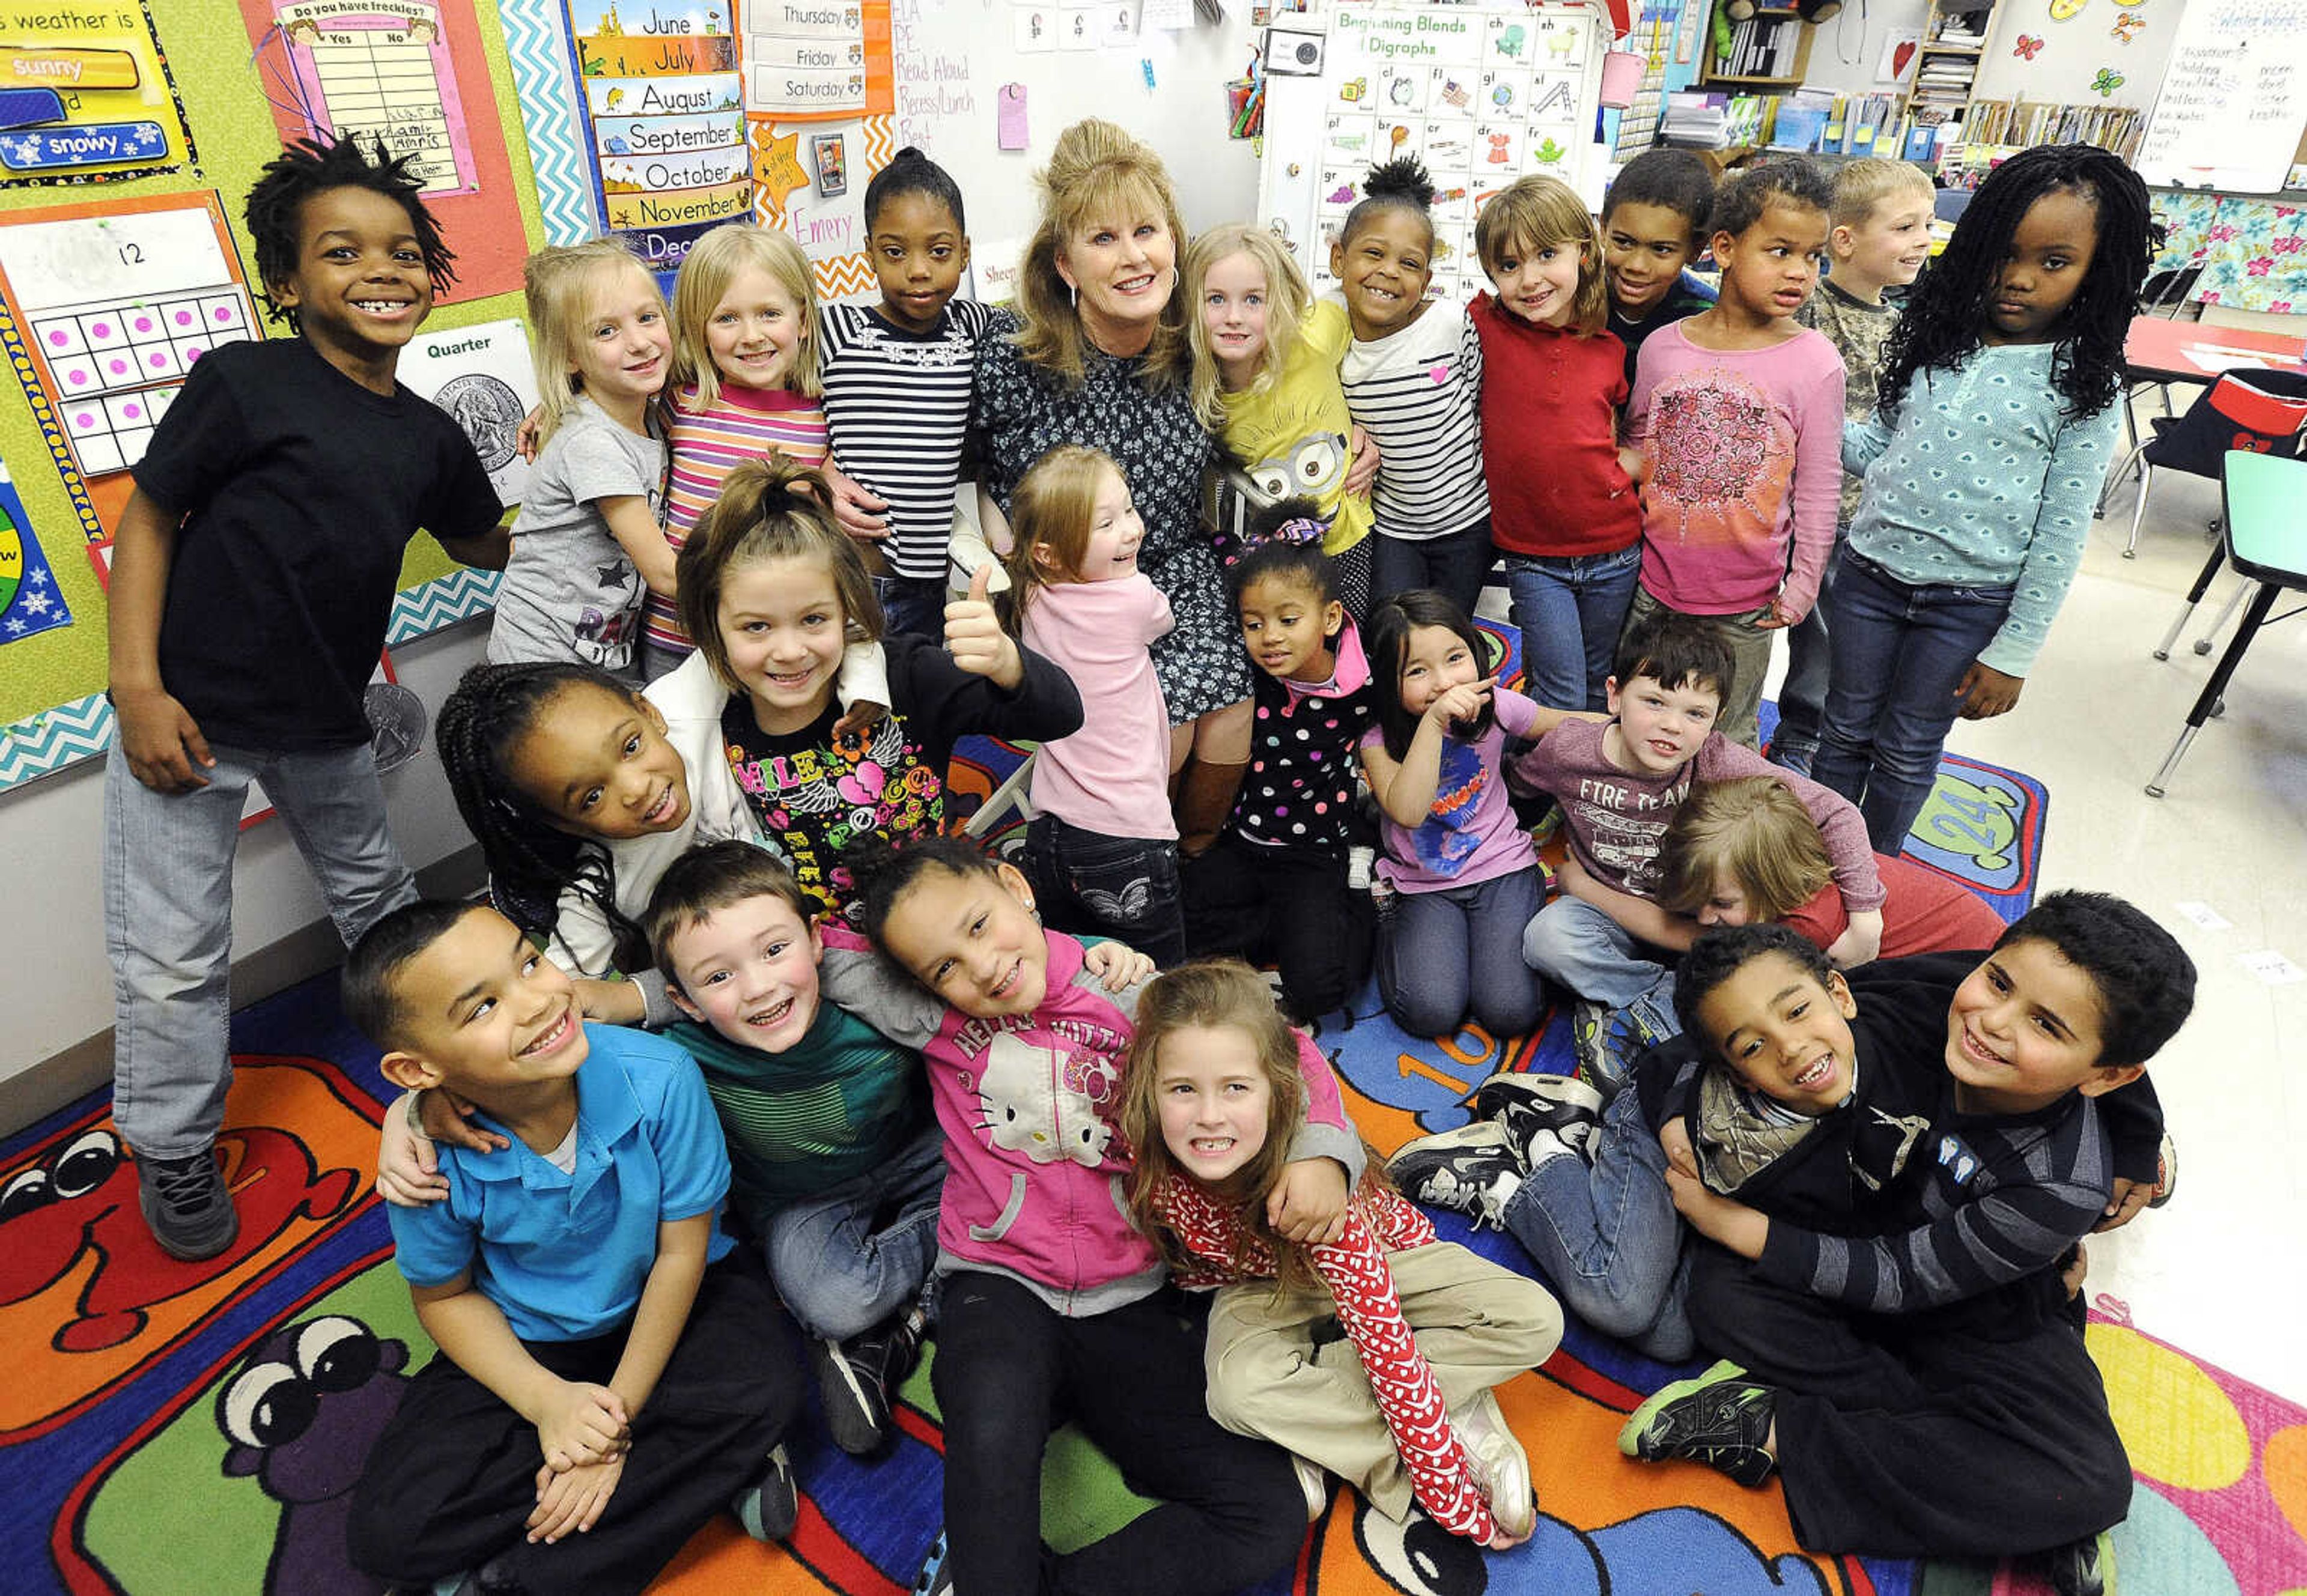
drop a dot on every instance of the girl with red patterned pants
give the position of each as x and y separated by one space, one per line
1211 1099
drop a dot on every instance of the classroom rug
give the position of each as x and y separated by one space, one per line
170 1428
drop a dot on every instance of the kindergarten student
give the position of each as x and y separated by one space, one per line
1050 1299
1653 227
1563 510
2000 401
1739 412
897 378
253 571
1102 848
1914 1369
1213 1096
1464 875
1619 782
576 1281
590 536
1414 380
744 387
1880 237
1744 852
771 590
1279 883
1266 380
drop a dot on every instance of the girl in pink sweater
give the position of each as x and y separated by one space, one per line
1102 848
1213 1099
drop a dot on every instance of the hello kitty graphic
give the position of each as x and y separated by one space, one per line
1039 1102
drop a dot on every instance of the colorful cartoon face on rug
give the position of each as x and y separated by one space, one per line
302 1417
80 1273
1045 1105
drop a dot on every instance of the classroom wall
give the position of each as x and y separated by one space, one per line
1845 50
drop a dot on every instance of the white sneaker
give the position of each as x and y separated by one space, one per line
1314 1479
1501 1467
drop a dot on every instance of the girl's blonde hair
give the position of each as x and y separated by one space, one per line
711 265
1054 507
558 284
769 510
1530 213
1097 173
1287 298
1210 993
1752 829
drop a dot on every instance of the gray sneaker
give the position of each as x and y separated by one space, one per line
186 1205
1532 1105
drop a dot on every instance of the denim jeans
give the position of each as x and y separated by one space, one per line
1456 564
1574 944
1607 1236
1571 611
167 914
1125 888
1802 695
840 1276
1900 653
914 604
1441 956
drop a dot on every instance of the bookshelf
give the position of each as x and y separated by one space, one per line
1946 65
1769 50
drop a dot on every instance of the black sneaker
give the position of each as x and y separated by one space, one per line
1719 1418
770 1506
856 1412
1474 1171
186 1205
2084 1567
1527 1105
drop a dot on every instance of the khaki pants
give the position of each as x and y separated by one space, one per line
1477 1324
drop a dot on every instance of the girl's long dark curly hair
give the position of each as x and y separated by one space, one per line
1949 305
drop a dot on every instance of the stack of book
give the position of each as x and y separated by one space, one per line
1760 47
1694 120
2021 125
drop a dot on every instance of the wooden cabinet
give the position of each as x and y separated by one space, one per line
1773 35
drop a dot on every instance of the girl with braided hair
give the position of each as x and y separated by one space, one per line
2000 401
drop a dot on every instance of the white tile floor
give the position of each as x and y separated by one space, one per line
2217 1272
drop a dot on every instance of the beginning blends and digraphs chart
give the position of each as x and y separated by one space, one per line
115 308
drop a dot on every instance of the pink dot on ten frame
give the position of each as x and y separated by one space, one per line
102 330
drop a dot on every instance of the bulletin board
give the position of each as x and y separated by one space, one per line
123 257
2234 102
2079 52
1481 95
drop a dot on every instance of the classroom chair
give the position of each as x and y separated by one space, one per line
2264 412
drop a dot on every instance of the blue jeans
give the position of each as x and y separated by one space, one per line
914 604
838 1275
1802 695
1454 564
1441 956
1900 653
1571 611
1607 1236
1125 888
167 917
1574 944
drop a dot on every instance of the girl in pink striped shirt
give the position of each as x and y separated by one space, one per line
1212 1100
745 383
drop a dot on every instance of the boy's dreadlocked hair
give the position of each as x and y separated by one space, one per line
531 863
1950 303
309 166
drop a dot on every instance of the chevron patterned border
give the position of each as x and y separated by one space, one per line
443 601
843 275
44 744
537 41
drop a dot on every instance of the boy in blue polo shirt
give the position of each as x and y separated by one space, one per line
611 1374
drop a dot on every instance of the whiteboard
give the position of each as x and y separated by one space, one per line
2234 100
954 58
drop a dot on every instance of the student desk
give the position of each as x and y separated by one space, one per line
2157 349
2266 539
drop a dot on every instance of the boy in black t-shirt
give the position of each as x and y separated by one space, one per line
253 576
1653 227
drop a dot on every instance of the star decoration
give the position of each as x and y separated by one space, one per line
777 167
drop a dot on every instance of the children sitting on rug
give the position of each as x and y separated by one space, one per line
610 1375
1619 782
1898 1343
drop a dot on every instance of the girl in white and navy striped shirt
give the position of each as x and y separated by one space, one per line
1414 380
897 378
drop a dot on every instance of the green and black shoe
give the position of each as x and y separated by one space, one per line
1720 1419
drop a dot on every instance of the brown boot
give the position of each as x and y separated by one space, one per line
1203 801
